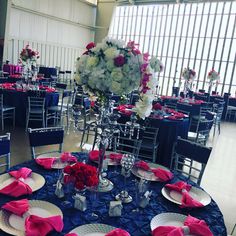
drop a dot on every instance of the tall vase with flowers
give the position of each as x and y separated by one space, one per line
29 58
113 67
188 76
213 78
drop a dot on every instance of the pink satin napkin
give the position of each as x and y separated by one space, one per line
18 187
191 226
46 162
161 174
24 172
67 157
157 106
116 156
117 232
39 226
94 155
18 207
184 188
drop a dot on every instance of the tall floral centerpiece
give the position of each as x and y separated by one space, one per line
113 67
28 58
188 76
213 78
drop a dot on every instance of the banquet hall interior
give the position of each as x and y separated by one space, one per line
151 75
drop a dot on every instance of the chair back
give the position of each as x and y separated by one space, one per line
201 90
1 101
45 137
185 108
190 159
5 151
61 85
175 91
36 100
127 143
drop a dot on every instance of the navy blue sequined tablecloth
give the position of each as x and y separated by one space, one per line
136 223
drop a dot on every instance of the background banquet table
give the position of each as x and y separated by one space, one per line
136 223
47 71
169 130
19 100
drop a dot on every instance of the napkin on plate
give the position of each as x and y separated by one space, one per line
67 157
94 155
18 207
191 226
184 188
23 172
117 232
116 156
39 226
157 106
46 162
161 174
16 189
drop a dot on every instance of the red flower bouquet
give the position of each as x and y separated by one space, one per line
82 175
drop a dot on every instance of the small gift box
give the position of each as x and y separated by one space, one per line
80 202
115 208
59 190
145 199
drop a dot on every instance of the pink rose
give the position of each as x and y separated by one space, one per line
119 61
90 45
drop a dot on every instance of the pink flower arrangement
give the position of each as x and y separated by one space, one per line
29 54
82 175
213 75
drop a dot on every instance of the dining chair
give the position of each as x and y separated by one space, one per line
36 107
5 152
200 130
61 75
149 144
6 112
57 113
45 137
190 159
218 111
68 77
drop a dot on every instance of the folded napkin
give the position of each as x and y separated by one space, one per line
39 226
161 174
116 156
46 162
67 157
16 189
18 207
23 172
94 155
126 112
191 226
184 188
117 232
173 118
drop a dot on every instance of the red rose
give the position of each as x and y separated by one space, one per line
90 45
68 170
119 61
79 185
157 106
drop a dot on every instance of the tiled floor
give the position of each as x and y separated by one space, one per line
218 179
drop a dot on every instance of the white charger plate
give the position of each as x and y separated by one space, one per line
35 181
168 219
93 230
196 193
58 164
15 225
147 175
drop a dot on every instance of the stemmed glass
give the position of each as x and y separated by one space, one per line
127 162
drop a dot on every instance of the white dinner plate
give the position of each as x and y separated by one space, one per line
15 225
147 175
93 230
168 219
58 164
35 181
196 193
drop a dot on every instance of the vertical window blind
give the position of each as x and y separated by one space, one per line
200 36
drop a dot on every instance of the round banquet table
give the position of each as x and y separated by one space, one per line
19 100
169 130
137 223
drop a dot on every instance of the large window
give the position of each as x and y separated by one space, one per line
195 35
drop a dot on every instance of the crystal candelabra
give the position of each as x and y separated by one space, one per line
108 126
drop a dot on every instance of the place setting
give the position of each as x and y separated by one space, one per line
30 217
20 182
55 160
